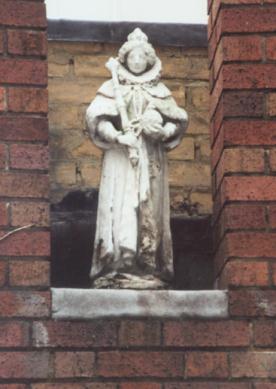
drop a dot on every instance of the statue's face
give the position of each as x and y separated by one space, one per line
137 61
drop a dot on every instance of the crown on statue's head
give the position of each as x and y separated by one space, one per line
137 39
137 35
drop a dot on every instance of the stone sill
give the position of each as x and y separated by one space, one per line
88 304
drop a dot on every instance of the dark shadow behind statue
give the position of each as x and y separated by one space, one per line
73 229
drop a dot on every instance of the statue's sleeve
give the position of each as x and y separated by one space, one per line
107 131
173 114
101 111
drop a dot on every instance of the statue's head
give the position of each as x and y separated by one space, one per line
137 55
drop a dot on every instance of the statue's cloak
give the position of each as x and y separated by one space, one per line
133 211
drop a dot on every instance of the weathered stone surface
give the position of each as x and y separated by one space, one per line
92 304
64 173
185 151
91 66
134 119
69 114
203 202
73 91
186 174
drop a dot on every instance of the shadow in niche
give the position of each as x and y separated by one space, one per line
73 230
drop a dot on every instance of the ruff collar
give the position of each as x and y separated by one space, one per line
151 77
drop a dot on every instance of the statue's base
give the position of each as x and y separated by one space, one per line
129 281
89 304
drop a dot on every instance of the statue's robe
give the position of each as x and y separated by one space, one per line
133 222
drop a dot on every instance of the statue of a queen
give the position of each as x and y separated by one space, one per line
134 120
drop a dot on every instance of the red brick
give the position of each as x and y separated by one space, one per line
139 385
3 156
207 364
218 3
24 365
1 42
253 364
248 76
3 273
26 243
206 334
22 13
263 385
244 217
214 36
29 157
242 47
72 385
274 274
24 213
272 216
249 132
3 214
222 253
216 99
243 104
271 104
216 60
24 185
243 76
24 304
265 333
240 161
22 42
13 386
139 333
2 99
73 334
251 244
252 303
23 128
74 364
28 100
209 385
14 334
239 104
140 364
249 188
241 273
23 71
29 273
271 47
272 160
249 19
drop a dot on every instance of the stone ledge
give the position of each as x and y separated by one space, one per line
161 34
97 304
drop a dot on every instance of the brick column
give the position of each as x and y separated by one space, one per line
24 214
242 53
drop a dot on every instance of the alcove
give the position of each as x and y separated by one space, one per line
77 55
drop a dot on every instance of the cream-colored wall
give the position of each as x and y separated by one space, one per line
76 71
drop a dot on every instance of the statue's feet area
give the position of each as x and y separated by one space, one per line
129 281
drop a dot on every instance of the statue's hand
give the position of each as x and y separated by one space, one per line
112 64
169 130
127 139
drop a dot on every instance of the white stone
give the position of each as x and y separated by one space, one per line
135 120
108 303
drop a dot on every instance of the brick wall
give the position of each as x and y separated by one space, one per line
40 353
76 71
23 158
243 141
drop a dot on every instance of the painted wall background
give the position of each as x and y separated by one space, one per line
173 11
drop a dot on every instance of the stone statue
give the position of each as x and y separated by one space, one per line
135 120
